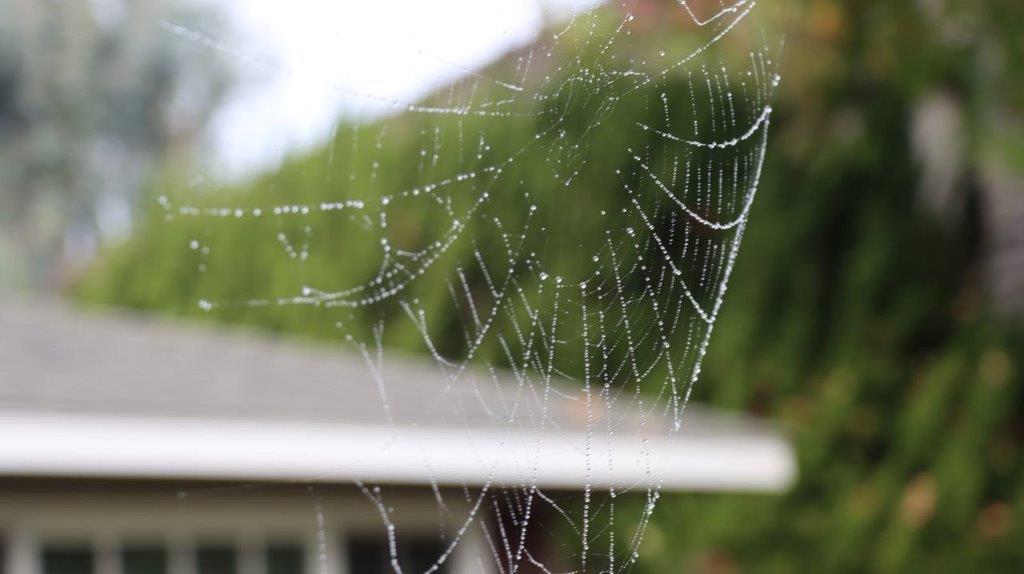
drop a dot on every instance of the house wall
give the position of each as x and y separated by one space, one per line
320 518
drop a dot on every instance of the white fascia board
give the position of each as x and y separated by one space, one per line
79 445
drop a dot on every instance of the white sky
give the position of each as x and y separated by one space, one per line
395 48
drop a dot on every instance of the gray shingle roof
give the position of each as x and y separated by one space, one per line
56 360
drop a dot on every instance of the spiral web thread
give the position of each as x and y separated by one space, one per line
620 329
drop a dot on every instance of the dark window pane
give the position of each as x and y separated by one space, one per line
370 555
67 560
285 559
419 554
144 560
216 560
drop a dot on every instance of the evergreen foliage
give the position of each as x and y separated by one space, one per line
853 316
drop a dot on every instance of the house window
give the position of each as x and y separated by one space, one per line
365 555
216 560
370 554
144 560
68 560
285 559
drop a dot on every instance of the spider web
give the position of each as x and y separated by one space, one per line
525 286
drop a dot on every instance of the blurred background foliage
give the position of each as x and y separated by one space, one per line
91 102
874 309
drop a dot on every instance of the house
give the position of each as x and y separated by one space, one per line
139 446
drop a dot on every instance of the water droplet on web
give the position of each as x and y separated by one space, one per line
485 255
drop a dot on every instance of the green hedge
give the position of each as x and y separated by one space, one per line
852 317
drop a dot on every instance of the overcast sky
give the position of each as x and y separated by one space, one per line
395 48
